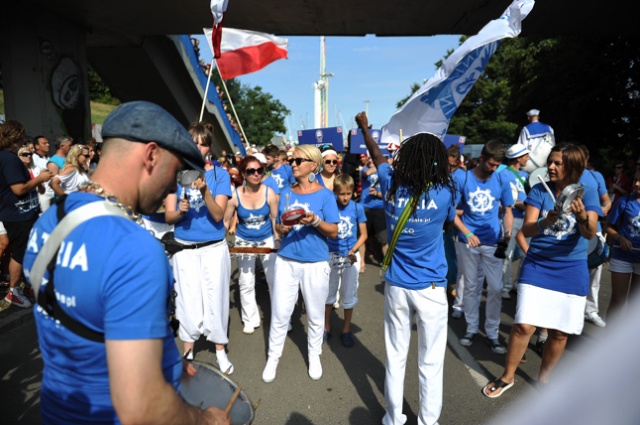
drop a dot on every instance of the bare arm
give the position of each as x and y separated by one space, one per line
614 235
273 211
507 220
372 146
605 202
171 214
472 239
230 220
361 240
56 185
329 230
522 241
21 189
139 392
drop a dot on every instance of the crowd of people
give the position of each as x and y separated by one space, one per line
434 223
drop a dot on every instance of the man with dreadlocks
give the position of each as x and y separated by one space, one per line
419 201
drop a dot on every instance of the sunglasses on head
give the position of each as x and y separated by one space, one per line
26 154
331 162
299 161
259 170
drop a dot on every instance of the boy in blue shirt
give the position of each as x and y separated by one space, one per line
345 258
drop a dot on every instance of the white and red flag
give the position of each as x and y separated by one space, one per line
244 52
218 7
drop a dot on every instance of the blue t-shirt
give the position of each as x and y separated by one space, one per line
517 190
58 160
306 243
283 176
270 182
12 207
626 215
351 215
418 259
367 200
113 277
480 202
254 225
197 225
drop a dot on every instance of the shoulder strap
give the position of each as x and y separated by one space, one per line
518 176
402 220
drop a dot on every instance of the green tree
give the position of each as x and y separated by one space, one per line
260 115
98 90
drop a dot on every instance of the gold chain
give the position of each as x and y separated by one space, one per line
111 198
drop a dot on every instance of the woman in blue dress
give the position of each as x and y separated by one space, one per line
558 248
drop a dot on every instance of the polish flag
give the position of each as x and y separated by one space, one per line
218 7
244 52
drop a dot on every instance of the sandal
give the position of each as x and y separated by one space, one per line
494 386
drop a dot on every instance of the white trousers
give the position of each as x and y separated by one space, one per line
592 298
430 307
313 280
507 263
457 302
468 261
345 278
202 284
247 281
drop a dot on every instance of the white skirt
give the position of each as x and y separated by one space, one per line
544 308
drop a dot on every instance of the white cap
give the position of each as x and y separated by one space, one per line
260 157
533 112
516 151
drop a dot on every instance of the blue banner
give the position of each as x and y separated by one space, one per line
357 145
322 136
450 139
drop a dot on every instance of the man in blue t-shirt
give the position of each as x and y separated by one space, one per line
109 353
482 193
278 170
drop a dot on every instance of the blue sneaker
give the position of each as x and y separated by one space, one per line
348 340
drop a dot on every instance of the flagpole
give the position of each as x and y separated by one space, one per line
231 103
206 91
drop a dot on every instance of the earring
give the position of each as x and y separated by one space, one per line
312 178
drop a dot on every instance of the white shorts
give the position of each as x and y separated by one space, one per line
3 231
549 309
619 266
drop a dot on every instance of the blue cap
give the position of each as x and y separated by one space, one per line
145 122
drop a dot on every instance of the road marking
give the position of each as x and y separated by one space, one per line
477 372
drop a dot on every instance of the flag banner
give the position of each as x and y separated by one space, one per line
218 7
432 106
357 145
450 140
322 136
244 52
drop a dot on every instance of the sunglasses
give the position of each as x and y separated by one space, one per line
24 155
255 170
299 161
331 162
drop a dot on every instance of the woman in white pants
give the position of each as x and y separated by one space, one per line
302 262
257 206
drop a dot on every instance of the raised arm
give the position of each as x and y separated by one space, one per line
372 146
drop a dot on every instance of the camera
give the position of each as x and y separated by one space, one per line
501 249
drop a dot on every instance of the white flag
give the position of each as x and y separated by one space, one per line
218 7
432 106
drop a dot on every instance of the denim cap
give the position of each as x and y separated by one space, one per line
144 122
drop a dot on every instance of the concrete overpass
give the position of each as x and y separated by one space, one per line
43 43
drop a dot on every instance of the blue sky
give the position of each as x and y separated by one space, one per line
378 69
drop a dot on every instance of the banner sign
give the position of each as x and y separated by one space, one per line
450 139
322 136
357 145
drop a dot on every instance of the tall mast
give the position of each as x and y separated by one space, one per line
321 90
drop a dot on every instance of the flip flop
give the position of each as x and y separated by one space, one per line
498 384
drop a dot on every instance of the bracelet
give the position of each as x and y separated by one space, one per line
586 220
468 235
539 221
316 222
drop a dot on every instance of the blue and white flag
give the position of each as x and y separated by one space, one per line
430 108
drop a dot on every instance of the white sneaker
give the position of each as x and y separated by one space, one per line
248 329
289 327
506 295
223 362
595 319
269 372
315 367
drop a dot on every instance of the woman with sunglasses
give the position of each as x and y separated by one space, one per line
26 156
302 262
257 206
74 172
329 167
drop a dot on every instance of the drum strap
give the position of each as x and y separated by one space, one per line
518 176
402 220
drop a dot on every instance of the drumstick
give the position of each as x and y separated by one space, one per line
233 399
553 198
250 250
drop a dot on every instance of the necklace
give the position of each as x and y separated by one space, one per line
95 188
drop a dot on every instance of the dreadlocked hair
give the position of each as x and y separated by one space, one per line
420 163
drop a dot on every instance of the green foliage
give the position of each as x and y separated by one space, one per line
586 89
260 115
98 90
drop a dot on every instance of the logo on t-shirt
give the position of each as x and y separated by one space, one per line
345 227
634 227
566 225
196 201
279 180
481 201
255 221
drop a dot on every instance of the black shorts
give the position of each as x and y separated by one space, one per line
18 233
376 224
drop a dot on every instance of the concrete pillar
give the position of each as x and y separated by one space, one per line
44 72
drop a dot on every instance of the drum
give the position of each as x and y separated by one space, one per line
538 157
598 252
210 387
187 177
569 193
533 177
292 216
339 260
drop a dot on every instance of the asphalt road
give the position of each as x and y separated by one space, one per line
351 388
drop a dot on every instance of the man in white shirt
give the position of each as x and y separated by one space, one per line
40 159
